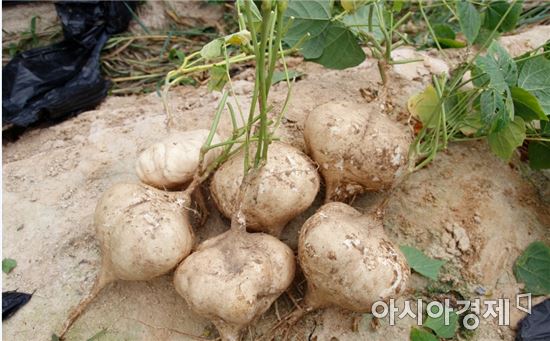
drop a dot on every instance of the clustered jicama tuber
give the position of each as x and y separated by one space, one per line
143 233
285 187
172 162
234 278
348 260
356 150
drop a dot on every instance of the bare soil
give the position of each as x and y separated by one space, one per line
468 208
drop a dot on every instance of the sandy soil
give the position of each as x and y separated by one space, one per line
468 208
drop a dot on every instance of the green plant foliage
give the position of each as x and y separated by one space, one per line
279 76
421 263
534 77
539 154
469 19
341 49
532 267
311 17
8 265
497 109
331 43
446 36
424 105
358 21
496 102
437 324
505 141
256 15
218 78
496 11
421 335
213 49
526 105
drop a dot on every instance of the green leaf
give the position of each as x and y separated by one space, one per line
311 17
496 110
8 265
534 77
358 22
421 263
484 36
469 19
451 43
526 105
314 47
532 268
352 5
421 335
213 49
505 141
539 154
495 12
444 31
496 104
279 76
55 337
471 124
218 78
397 5
446 36
342 49
437 324
505 62
423 105
176 55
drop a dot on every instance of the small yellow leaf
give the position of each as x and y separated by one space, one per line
352 5
423 105
240 38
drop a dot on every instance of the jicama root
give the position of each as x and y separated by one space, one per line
348 260
285 187
233 278
356 150
172 162
143 233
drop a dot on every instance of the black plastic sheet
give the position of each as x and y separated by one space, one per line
536 326
63 79
12 301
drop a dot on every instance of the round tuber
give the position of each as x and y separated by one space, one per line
356 150
285 187
234 278
348 261
172 162
143 233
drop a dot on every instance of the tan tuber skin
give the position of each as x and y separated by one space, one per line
285 187
143 233
234 278
173 161
356 150
348 261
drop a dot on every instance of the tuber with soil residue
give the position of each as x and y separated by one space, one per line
172 162
286 186
143 233
232 279
348 260
357 150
